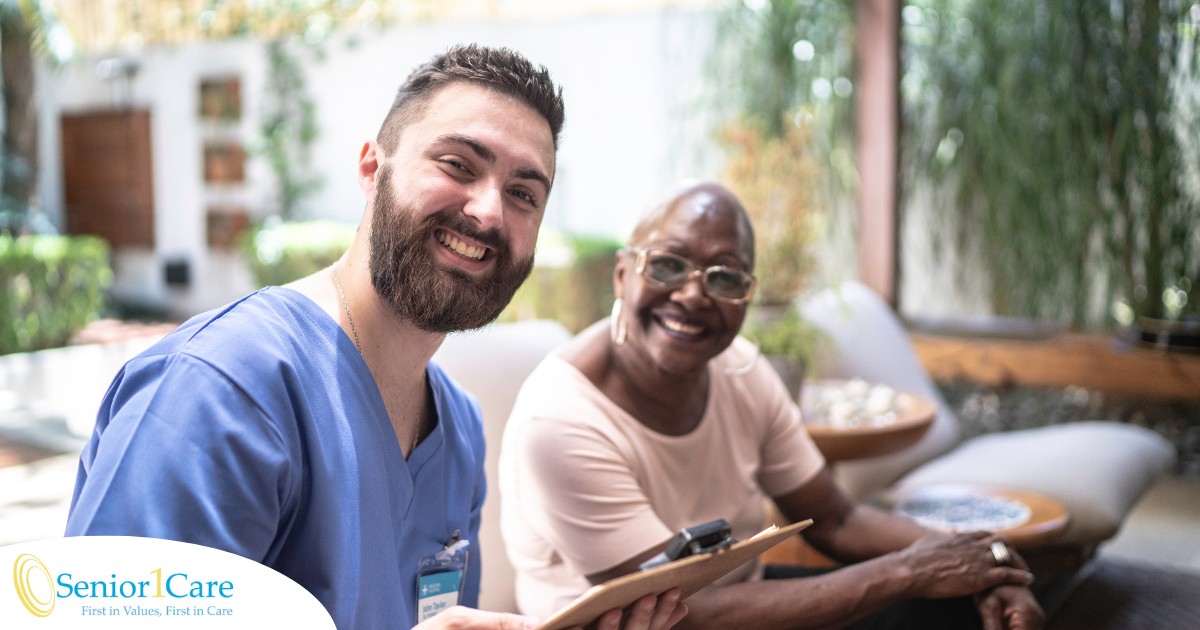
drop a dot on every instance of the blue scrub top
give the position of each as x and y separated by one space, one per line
258 429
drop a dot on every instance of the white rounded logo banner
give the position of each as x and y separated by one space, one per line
126 582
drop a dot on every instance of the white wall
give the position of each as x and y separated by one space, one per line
630 82
167 85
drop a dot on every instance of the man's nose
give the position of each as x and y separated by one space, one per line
486 206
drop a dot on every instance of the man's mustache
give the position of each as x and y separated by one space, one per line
458 223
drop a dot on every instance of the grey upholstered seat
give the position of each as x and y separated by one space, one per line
1097 469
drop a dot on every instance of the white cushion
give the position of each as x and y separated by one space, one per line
1097 470
492 363
868 342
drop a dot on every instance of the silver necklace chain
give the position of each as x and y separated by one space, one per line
337 283
354 329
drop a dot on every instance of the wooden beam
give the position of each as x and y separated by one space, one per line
1098 362
878 118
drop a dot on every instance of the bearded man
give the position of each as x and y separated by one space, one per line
304 426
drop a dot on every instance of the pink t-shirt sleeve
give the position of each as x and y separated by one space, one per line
789 456
578 491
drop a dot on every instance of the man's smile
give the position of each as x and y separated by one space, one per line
460 246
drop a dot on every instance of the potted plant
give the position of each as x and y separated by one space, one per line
773 123
789 342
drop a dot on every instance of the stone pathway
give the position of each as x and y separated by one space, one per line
39 447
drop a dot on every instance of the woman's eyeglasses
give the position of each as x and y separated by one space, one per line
670 271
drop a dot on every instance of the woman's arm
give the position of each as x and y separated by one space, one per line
897 560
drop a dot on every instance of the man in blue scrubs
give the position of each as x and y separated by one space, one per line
304 426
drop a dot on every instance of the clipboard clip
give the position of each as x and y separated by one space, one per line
690 541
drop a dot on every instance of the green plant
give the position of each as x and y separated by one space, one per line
774 177
571 283
52 287
280 252
1059 139
783 113
786 333
289 126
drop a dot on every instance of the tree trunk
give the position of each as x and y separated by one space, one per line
20 151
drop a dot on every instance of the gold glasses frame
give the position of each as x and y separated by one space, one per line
643 256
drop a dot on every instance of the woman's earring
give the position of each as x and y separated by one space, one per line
616 324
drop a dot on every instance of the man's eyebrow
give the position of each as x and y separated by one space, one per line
534 174
475 145
488 156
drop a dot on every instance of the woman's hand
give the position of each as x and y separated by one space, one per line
960 565
1010 608
463 618
647 613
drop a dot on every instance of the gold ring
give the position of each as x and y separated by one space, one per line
1000 553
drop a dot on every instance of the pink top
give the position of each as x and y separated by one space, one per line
585 486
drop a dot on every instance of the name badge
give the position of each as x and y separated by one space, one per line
440 578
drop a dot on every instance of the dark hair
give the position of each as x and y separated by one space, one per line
499 69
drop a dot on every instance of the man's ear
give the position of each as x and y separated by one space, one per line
368 166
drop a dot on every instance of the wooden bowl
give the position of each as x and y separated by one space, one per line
914 416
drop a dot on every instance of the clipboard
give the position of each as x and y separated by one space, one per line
690 574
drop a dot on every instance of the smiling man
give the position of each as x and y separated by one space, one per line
304 426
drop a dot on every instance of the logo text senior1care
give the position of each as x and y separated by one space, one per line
131 582
177 585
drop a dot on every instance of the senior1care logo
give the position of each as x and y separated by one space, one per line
126 582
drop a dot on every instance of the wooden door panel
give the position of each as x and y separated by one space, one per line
108 177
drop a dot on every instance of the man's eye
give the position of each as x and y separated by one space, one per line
456 165
524 196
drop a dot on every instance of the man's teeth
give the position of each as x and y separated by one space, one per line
681 327
470 251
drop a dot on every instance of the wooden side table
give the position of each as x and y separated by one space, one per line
913 417
1046 518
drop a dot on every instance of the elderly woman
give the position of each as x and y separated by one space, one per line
662 418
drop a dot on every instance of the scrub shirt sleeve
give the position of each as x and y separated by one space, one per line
182 453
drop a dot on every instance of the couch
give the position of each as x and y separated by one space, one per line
492 363
1096 469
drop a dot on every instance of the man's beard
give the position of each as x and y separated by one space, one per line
405 276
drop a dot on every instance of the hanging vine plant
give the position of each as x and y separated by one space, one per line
288 125
1068 133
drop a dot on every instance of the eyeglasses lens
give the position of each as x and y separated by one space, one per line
726 283
721 282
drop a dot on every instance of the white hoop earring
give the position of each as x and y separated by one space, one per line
616 324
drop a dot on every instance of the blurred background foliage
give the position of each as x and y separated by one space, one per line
1062 140
782 100
571 280
784 112
281 251
52 286
288 125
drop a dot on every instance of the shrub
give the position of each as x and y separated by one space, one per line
53 286
784 332
284 251
572 282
